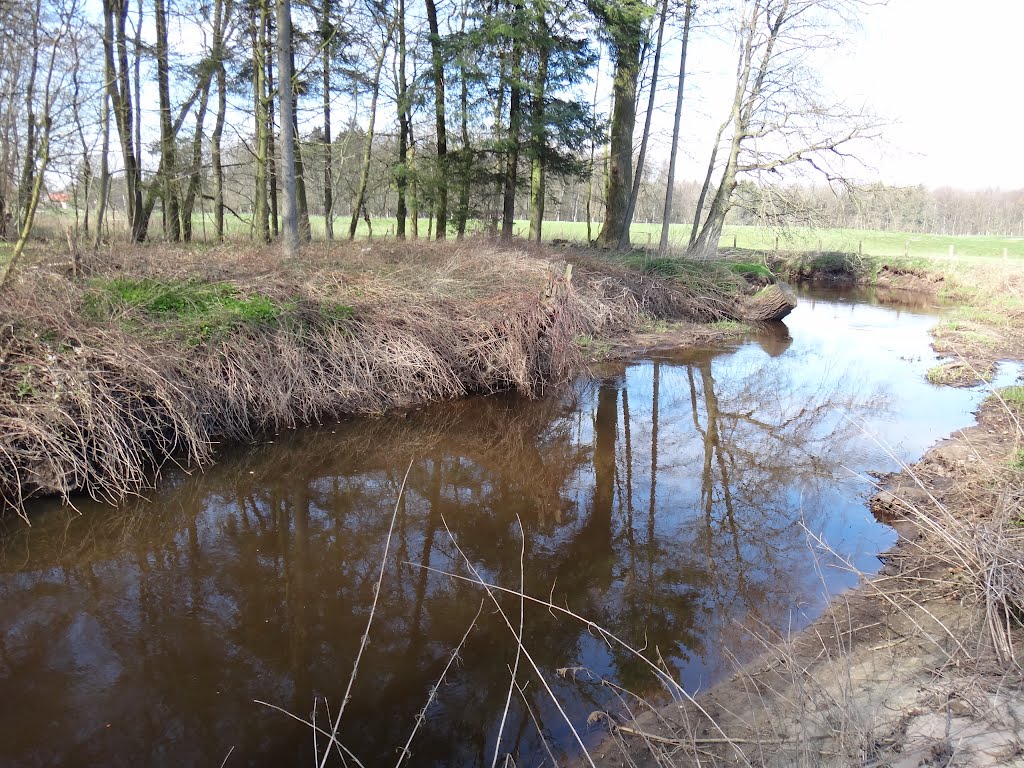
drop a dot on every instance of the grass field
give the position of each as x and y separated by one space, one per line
805 239
51 225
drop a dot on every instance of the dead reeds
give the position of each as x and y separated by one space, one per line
160 353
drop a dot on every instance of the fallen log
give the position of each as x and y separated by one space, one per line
773 302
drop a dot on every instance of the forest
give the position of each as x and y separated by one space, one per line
150 119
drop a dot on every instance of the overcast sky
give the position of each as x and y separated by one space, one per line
945 74
949 73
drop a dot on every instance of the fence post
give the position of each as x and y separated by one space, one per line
906 248
952 251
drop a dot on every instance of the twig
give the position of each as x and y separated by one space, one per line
519 641
686 742
433 691
603 633
525 652
366 634
315 727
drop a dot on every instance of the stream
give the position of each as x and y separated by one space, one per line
689 503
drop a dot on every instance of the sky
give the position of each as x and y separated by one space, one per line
943 75
948 73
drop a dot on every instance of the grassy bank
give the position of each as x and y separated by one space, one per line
159 353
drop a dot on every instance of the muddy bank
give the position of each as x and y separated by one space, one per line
918 666
161 354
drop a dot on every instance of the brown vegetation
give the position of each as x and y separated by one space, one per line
161 352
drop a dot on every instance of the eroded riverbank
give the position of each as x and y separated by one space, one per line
159 355
920 664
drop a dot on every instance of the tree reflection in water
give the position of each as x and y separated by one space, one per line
665 502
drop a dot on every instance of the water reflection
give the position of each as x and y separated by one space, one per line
668 501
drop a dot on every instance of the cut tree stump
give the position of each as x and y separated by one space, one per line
771 303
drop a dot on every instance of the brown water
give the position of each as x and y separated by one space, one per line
669 500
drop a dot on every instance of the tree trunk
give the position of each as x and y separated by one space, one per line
169 186
437 65
414 196
402 105
538 145
76 110
305 231
593 153
194 177
705 187
465 153
666 218
137 86
499 182
706 243
638 175
271 140
364 174
115 14
221 13
620 166
27 181
290 223
771 303
515 121
259 40
46 123
101 203
327 35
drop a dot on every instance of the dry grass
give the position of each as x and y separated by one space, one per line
159 353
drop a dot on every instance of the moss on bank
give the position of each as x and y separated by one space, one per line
161 353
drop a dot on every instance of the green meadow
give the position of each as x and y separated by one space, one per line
51 226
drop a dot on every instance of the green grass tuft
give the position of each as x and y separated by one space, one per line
1013 396
736 327
751 270
193 310
196 311
1017 462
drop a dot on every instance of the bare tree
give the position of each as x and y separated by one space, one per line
48 42
779 118
364 174
670 185
290 220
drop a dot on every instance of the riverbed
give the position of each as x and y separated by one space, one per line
680 502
